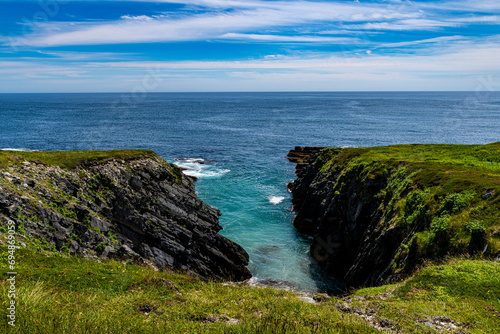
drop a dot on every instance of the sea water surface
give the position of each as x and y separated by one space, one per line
236 144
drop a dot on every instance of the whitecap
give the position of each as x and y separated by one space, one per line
191 160
16 149
205 173
199 168
276 199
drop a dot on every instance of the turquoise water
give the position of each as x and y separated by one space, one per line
243 139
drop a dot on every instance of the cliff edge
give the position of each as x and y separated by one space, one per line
376 213
128 204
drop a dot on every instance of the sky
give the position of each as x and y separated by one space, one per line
146 46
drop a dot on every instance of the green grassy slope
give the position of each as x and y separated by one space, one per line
57 294
69 159
448 193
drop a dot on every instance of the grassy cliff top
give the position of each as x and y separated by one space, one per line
485 156
70 159
469 164
448 194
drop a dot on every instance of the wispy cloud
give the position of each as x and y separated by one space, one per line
141 28
462 63
423 41
399 25
281 38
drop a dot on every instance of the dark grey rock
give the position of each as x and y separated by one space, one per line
385 323
74 247
144 207
486 196
126 252
108 252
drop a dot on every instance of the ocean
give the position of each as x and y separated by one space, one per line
236 144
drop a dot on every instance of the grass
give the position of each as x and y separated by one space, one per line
70 159
433 193
57 294
72 295
464 290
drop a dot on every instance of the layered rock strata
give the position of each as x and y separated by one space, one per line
376 213
140 208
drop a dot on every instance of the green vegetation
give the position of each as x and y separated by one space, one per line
464 290
70 159
59 294
62 294
443 197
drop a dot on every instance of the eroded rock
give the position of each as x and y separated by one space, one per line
143 209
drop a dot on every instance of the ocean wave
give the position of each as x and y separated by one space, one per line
201 173
276 199
200 168
200 161
17 149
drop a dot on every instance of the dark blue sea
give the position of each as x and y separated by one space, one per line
244 138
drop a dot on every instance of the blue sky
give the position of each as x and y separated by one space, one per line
232 45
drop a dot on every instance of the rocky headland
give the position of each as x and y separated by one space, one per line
128 204
375 214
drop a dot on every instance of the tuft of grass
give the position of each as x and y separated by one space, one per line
71 159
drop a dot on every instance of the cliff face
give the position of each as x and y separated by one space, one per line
376 213
126 204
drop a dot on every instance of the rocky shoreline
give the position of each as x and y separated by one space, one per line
140 208
375 214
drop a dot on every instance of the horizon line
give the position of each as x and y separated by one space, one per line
260 92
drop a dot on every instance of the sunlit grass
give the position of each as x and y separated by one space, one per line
73 295
69 159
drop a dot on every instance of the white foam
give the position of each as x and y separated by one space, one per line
204 173
16 149
198 168
276 199
191 160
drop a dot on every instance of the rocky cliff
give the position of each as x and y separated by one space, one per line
376 213
128 204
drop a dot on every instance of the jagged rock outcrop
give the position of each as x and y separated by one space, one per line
376 213
133 205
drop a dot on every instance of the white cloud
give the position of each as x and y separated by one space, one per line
137 18
280 38
410 24
464 5
455 68
456 58
422 41
250 17
25 69
137 29
446 62
485 19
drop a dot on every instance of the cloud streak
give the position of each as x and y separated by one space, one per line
262 15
